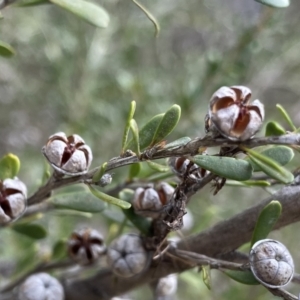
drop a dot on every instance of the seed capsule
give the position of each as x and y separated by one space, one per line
271 263
166 286
13 199
85 246
126 256
41 286
68 155
231 115
149 202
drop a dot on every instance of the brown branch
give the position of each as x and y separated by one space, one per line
189 149
214 242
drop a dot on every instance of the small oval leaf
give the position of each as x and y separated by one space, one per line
136 138
134 170
227 167
6 50
59 249
90 12
127 126
178 143
281 154
139 222
24 3
158 167
109 199
81 201
147 132
97 176
274 128
245 277
9 166
248 183
33 231
206 277
286 116
167 124
275 3
266 221
270 167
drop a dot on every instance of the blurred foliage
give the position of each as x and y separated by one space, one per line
70 76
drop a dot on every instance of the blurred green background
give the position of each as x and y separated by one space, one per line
70 76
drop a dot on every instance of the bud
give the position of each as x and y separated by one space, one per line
41 286
126 256
85 246
231 115
149 202
68 155
13 199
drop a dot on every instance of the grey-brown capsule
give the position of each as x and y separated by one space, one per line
166 286
68 155
126 256
86 245
271 263
13 199
41 286
150 201
231 114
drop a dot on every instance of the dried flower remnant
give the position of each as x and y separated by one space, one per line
150 201
85 246
231 114
13 199
68 155
271 263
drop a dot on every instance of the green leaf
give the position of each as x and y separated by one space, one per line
270 167
281 154
178 143
59 249
158 167
136 138
97 176
134 170
127 126
149 16
90 12
266 221
24 3
248 183
81 201
141 223
245 277
167 124
147 132
286 117
228 167
109 199
275 3
6 50
33 231
206 276
274 128
9 166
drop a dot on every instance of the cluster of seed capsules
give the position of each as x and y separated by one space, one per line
230 115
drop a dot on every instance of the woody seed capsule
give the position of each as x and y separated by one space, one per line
68 155
149 201
127 257
85 246
13 199
271 263
231 114
41 286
